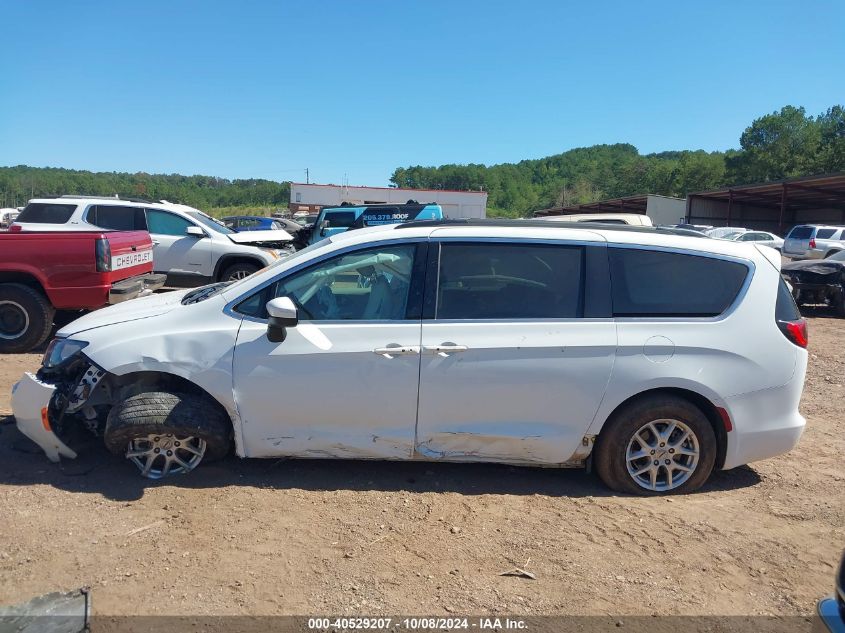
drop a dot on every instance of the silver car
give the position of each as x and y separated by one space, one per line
760 237
809 241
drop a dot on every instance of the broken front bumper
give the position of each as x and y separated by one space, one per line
30 399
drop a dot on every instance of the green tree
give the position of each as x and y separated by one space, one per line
779 145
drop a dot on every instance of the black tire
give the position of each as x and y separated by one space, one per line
840 304
610 451
238 271
26 318
161 412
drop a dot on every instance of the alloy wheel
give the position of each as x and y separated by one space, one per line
662 455
159 455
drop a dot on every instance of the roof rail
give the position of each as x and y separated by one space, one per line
115 197
668 230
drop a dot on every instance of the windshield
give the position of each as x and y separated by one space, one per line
838 257
210 223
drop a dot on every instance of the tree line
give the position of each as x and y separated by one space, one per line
779 145
19 184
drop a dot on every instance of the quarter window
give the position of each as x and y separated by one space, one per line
46 213
366 285
510 281
664 284
824 234
164 223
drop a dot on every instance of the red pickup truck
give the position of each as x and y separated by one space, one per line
80 270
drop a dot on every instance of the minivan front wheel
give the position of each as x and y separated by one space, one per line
165 433
659 444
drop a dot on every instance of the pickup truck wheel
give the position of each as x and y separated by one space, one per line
166 433
660 444
238 271
26 318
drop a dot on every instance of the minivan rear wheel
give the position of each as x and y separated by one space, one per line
656 445
165 433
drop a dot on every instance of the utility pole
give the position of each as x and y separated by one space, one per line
307 182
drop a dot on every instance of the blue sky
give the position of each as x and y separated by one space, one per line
355 89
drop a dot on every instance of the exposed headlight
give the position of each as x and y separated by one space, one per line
59 350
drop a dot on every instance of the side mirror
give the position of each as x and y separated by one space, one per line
283 315
323 226
194 231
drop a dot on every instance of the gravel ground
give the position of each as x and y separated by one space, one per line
305 537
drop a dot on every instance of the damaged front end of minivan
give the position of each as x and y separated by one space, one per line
61 396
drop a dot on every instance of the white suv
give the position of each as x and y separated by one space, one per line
189 245
450 341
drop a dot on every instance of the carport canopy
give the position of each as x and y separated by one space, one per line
806 200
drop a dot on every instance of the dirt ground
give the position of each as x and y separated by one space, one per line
318 537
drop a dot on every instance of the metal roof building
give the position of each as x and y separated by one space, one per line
772 206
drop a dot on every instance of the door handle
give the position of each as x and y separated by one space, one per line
156 242
394 349
444 349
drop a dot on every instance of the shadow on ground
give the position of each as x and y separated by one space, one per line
97 471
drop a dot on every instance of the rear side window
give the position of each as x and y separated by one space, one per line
510 281
46 213
785 308
117 218
824 234
664 284
801 232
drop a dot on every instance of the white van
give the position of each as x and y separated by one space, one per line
632 219
449 341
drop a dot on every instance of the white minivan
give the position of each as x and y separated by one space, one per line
652 356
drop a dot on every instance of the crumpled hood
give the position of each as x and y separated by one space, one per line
256 237
131 310
823 267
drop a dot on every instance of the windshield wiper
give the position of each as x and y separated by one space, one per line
201 294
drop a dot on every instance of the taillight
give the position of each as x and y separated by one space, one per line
812 242
16 228
795 331
102 255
